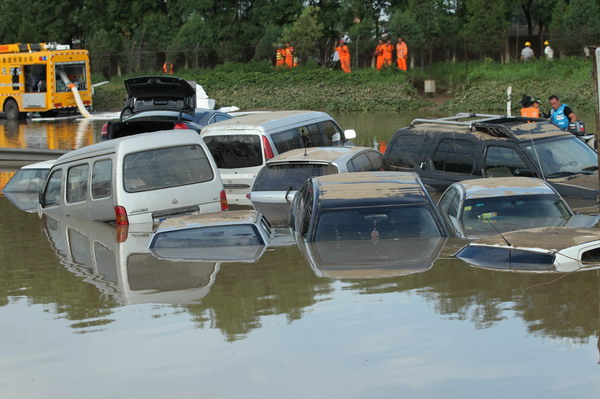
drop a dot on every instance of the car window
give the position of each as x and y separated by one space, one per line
289 176
376 159
77 183
102 179
449 202
455 156
316 138
328 129
166 167
388 222
219 118
360 163
27 180
232 151
407 151
502 161
210 236
287 140
52 192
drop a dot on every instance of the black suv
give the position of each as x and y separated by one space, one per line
467 146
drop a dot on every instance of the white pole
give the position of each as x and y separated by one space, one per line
508 100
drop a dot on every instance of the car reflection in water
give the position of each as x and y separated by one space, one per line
372 259
120 264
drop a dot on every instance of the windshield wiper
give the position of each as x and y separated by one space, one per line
591 168
562 174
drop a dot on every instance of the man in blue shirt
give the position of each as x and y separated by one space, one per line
561 114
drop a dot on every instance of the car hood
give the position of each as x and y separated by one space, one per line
159 86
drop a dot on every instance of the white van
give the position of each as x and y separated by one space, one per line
136 179
242 145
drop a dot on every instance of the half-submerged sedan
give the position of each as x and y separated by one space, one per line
545 249
365 206
479 207
233 236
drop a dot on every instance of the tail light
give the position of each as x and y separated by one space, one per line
122 232
104 131
121 215
268 151
180 126
224 204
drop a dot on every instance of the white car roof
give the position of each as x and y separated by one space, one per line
504 186
316 154
40 165
266 121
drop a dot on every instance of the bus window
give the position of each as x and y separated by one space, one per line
35 78
73 72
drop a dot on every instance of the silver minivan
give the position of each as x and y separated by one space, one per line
136 179
242 145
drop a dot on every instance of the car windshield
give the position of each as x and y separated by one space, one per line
232 151
563 157
516 212
27 180
374 223
290 176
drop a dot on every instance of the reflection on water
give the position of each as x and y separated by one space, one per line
74 298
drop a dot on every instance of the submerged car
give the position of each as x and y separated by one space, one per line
470 146
365 206
545 249
154 103
484 206
280 178
24 186
234 236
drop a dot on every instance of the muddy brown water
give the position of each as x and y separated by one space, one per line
84 316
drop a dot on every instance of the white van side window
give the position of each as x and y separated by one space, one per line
329 128
102 178
52 192
77 183
287 140
166 167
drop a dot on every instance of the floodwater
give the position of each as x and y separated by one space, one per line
83 315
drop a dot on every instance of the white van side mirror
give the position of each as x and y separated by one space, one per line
336 137
350 134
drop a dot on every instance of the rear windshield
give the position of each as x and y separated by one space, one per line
506 258
289 177
232 151
374 223
166 167
211 236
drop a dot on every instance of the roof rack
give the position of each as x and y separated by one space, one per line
494 125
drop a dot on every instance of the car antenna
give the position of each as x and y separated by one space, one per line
498 231
537 157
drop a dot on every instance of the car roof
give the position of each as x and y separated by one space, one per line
209 219
40 165
504 186
266 120
317 154
486 127
370 188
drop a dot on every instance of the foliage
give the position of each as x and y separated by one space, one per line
304 33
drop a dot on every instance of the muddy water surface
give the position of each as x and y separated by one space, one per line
83 315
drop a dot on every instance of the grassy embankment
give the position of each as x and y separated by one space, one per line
481 86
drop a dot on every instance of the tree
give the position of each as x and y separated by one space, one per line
304 34
486 24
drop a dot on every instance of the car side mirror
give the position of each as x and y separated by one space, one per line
523 173
350 134
41 199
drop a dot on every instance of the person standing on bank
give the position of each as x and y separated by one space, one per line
379 55
289 55
527 52
280 57
561 114
344 54
388 49
548 51
401 54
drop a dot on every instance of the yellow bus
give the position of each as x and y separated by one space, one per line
39 77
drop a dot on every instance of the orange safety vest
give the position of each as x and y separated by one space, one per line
344 54
530 112
280 57
401 54
379 54
289 56
387 53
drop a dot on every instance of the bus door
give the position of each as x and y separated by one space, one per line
35 86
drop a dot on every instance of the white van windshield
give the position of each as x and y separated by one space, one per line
166 167
232 151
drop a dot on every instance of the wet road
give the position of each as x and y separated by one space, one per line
84 316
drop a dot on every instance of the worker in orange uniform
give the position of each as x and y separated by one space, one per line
280 56
401 54
379 55
344 54
289 55
530 107
388 49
